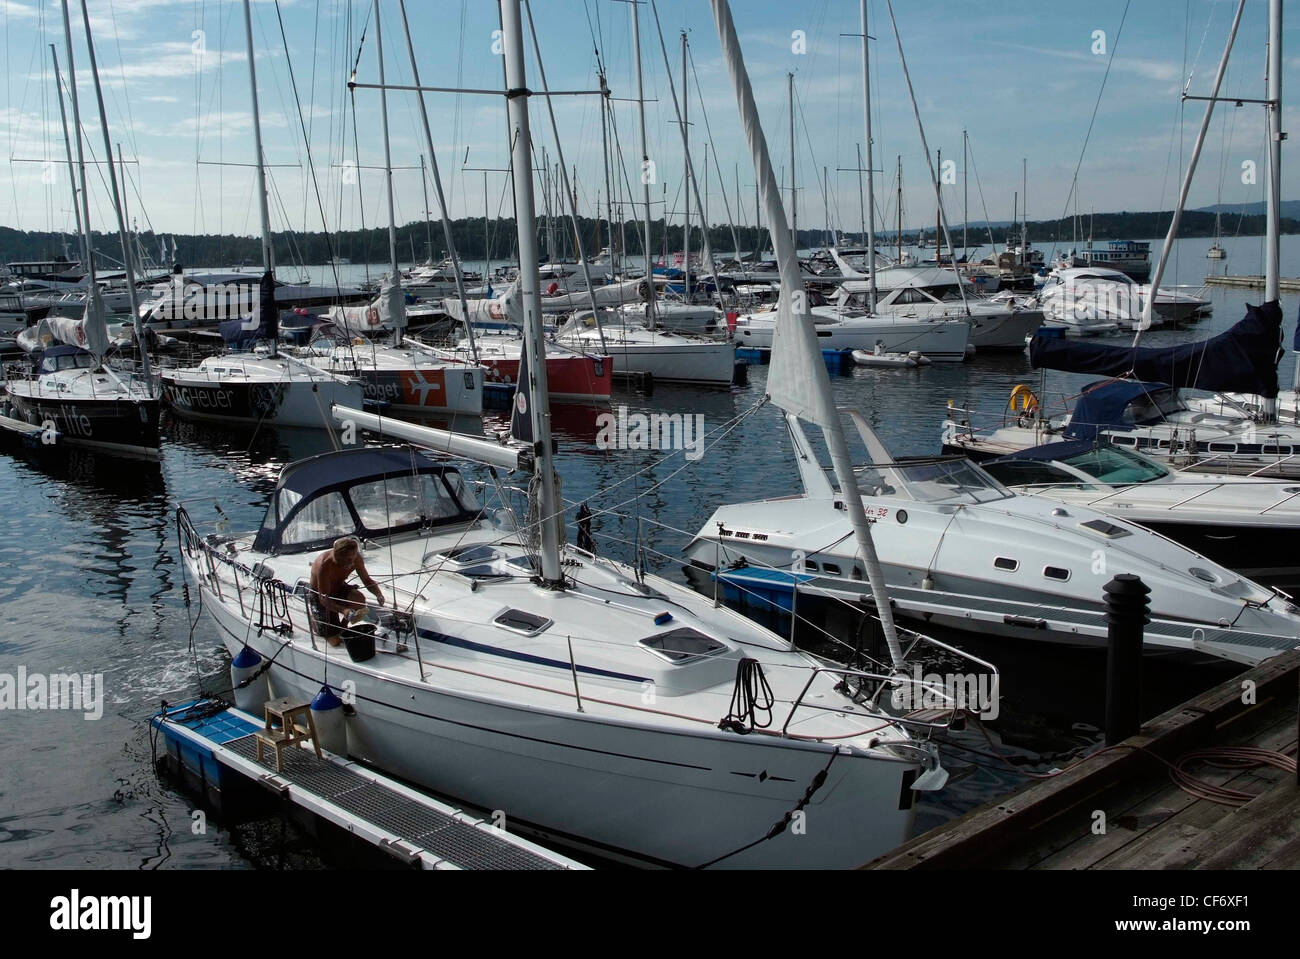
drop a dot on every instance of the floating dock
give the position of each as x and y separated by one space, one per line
213 749
1286 284
1121 809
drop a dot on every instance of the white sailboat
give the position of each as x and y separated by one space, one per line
586 701
265 386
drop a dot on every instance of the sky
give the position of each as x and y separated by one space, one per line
1021 76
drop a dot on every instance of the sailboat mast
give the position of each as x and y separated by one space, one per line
72 175
1148 307
899 235
1273 226
517 94
645 171
965 196
268 254
394 272
794 191
428 223
81 150
127 257
686 156
437 186
871 176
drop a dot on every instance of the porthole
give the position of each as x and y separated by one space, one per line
1006 563
1056 572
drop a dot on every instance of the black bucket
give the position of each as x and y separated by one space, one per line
360 641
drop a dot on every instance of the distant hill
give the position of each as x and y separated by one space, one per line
1290 208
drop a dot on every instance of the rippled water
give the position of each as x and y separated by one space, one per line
89 583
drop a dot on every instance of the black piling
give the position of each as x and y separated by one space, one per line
1127 612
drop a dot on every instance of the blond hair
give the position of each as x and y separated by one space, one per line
346 544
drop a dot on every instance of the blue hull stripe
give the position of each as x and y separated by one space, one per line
526 657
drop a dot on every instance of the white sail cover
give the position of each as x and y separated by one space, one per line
505 308
612 294
797 380
386 312
90 333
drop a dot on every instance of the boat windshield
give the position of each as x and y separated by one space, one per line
943 481
1153 407
373 507
1111 464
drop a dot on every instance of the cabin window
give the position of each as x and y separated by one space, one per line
1006 563
683 645
810 565
519 621
1056 572
1124 440
1276 450
1223 447
830 569
325 518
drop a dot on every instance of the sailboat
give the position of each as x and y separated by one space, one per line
585 699
70 393
265 386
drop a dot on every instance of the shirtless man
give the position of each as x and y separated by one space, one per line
336 603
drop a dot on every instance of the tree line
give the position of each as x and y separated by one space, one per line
419 241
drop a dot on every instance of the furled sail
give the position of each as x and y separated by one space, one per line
798 382
386 312
260 323
90 333
1242 359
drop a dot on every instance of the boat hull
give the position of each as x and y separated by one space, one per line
118 425
294 403
651 796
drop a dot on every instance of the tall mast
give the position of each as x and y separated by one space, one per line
127 258
871 181
517 94
428 223
72 174
614 260
794 190
268 253
1273 227
686 156
81 151
394 273
645 161
437 185
899 235
965 196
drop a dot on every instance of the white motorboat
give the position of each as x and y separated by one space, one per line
960 549
1092 300
937 293
666 356
1248 525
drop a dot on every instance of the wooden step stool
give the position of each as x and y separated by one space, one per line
295 726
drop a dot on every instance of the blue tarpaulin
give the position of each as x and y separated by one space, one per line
1242 359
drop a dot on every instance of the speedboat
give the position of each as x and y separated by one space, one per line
959 549
1248 525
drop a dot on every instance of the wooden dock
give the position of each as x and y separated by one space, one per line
1120 809
1287 284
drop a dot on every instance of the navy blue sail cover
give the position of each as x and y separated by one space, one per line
1242 359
